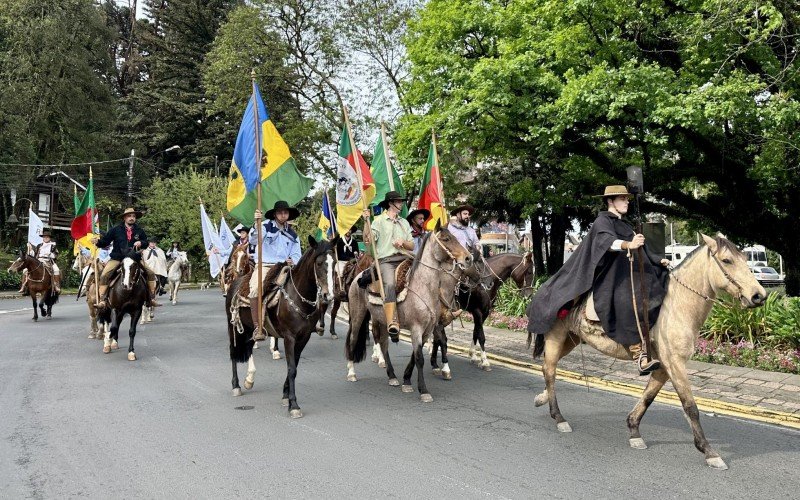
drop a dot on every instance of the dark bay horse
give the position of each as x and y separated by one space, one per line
126 295
40 282
477 297
341 284
293 318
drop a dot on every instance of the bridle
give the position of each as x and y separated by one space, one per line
313 303
705 297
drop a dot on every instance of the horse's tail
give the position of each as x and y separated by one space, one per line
240 343
358 351
51 298
538 346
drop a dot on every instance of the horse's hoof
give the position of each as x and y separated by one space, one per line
564 427
276 355
320 331
296 413
375 358
248 384
407 388
717 463
394 382
486 367
437 371
637 443
255 345
131 356
334 336
49 318
114 344
237 392
540 399
91 336
382 364
106 349
447 375
426 398
36 320
352 378
285 402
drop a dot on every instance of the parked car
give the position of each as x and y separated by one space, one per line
767 276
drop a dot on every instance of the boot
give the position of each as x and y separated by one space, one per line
151 285
390 310
258 335
448 316
57 283
102 291
645 367
23 289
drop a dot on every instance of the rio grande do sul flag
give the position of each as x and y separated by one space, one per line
385 176
261 160
432 194
349 202
82 227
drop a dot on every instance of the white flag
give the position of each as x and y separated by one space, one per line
35 228
226 237
212 243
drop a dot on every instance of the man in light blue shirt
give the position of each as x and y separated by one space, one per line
461 230
279 243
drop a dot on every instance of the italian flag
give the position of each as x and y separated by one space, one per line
82 227
432 193
351 199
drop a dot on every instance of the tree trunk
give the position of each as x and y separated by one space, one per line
537 237
792 280
558 230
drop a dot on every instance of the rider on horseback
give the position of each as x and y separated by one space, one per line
156 261
461 229
393 242
416 219
125 237
46 252
279 244
601 265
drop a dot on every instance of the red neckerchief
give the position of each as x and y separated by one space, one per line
129 232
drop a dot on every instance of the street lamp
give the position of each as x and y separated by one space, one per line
13 218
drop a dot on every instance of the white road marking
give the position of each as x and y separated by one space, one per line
16 310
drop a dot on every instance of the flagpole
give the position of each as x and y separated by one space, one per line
367 224
75 242
257 150
95 256
335 250
389 171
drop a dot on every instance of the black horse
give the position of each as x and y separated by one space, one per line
127 294
293 318
341 284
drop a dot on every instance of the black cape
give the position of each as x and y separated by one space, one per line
594 268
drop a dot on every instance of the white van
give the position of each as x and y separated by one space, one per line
756 256
676 253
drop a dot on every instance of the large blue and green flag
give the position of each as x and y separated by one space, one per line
261 160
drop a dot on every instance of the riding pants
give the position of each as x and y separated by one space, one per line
254 279
388 266
113 264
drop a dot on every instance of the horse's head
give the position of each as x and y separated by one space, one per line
324 266
19 264
130 270
448 248
240 259
728 271
523 275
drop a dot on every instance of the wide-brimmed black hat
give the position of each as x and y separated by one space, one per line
240 228
131 210
153 239
46 233
391 196
280 204
423 211
466 206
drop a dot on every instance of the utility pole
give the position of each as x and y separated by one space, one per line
130 177
216 166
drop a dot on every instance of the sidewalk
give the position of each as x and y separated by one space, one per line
771 395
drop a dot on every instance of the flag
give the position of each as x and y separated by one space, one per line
349 204
386 178
35 228
76 247
211 242
432 195
326 228
226 237
275 171
83 225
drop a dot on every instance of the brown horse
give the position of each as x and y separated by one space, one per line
40 282
87 288
309 284
693 287
127 294
419 313
341 284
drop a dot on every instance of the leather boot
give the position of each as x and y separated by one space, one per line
390 310
258 336
640 356
57 283
151 286
102 291
448 316
23 289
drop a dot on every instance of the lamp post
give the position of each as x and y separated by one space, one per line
131 161
13 221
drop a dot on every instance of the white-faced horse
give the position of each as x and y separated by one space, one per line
175 274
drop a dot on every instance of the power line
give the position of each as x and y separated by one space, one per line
64 164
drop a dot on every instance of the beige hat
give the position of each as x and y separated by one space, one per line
612 191
131 210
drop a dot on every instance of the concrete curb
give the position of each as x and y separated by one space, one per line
14 295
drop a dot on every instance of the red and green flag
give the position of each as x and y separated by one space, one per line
385 176
432 193
82 227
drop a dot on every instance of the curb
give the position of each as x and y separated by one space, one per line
13 295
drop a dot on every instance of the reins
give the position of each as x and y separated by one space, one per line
705 297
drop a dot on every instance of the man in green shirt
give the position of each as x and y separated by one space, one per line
393 241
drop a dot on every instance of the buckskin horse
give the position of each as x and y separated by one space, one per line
40 281
127 293
692 289
292 318
418 313
476 295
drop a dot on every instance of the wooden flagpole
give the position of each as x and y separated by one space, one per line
257 150
216 256
389 171
95 256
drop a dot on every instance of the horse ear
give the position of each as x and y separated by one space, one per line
312 242
710 243
438 225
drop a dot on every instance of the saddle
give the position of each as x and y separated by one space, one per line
274 279
400 280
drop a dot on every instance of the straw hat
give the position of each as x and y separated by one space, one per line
612 191
131 210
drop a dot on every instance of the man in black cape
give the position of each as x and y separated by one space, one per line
601 265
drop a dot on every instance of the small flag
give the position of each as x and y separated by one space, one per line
349 204
226 237
432 194
35 228
211 243
326 229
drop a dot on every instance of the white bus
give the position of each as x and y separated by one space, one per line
756 256
676 253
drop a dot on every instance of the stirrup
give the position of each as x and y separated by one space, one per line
645 367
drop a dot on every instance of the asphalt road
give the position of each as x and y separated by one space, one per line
77 423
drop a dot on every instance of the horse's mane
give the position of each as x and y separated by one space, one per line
418 257
721 241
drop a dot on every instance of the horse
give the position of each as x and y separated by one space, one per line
87 288
127 294
477 296
40 281
309 283
341 284
439 251
175 274
692 289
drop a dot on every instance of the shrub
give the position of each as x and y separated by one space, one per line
775 324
